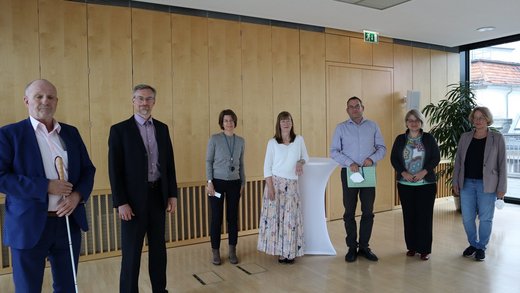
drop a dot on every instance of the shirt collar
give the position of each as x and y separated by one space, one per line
35 124
350 121
141 120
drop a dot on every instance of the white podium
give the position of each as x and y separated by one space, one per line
312 185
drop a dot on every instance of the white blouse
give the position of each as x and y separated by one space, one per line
280 159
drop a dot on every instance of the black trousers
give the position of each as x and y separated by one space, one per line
367 196
132 236
417 204
230 190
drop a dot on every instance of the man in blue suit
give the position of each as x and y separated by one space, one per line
144 187
37 201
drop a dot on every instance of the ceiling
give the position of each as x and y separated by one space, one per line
449 23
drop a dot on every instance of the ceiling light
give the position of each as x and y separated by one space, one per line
486 29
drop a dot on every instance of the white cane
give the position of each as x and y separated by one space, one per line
61 175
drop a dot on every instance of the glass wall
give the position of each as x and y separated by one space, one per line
495 74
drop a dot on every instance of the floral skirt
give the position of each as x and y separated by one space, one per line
281 222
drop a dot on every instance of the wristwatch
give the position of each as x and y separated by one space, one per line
209 181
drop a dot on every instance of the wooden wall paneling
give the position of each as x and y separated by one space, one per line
64 60
360 52
334 31
189 209
453 74
152 59
422 74
20 61
383 54
357 35
439 70
225 84
257 85
286 74
190 96
337 48
110 78
342 83
377 98
403 81
200 195
313 99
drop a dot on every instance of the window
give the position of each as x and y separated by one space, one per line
495 74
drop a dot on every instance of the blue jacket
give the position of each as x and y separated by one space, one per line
23 180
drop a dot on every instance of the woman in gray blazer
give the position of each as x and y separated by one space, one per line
479 176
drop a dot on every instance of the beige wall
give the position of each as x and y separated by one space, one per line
95 53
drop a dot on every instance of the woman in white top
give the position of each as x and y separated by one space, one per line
281 223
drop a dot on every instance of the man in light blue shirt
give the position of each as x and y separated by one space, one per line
356 143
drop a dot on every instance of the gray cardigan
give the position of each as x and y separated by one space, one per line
494 169
218 158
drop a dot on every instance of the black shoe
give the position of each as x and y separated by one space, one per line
351 255
289 261
480 255
282 260
469 251
368 254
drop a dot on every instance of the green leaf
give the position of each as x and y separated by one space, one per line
449 119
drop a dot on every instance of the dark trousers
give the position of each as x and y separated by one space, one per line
367 196
230 190
151 223
417 205
29 264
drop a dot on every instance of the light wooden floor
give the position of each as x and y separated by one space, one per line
446 271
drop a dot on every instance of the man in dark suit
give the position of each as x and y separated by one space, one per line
36 200
142 177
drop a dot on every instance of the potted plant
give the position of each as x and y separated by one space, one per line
449 120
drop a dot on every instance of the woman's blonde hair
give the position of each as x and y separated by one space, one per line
485 112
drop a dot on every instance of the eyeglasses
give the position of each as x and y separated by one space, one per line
481 118
413 121
357 107
145 99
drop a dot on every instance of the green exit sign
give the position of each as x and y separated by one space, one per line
371 37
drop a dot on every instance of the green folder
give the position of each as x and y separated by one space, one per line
369 173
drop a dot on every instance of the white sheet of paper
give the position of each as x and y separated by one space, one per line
356 177
217 194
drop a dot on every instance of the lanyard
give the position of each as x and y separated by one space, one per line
231 149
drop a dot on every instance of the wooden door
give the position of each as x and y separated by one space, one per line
374 87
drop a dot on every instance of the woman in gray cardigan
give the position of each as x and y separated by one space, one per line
479 176
226 179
